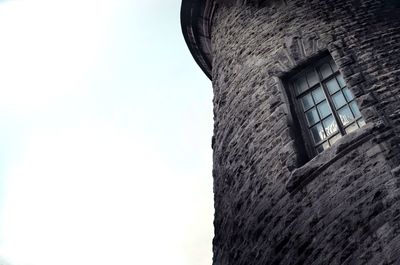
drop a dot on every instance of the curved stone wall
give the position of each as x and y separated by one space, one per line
271 205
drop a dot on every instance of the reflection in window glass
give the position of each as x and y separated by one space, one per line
328 108
324 109
318 95
325 70
318 133
333 65
345 115
348 94
307 101
355 109
338 100
332 86
340 80
312 78
330 126
301 85
312 116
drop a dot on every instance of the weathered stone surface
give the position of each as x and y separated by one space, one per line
272 205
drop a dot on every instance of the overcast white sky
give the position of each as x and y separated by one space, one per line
105 136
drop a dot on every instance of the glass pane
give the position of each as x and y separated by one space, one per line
332 86
318 133
355 109
318 95
335 138
352 128
348 94
325 70
307 101
345 115
339 100
301 85
324 109
323 147
330 126
341 80
312 116
361 122
333 65
312 78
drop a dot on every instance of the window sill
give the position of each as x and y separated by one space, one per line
301 176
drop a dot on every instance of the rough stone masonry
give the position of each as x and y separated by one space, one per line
273 204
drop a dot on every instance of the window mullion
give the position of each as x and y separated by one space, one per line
330 101
332 106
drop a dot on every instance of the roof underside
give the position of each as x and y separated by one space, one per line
196 17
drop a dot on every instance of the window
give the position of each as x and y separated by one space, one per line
325 107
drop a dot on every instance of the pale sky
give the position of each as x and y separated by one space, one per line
105 136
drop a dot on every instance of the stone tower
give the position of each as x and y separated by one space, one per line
307 128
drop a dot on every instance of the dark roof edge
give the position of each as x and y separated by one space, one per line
196 16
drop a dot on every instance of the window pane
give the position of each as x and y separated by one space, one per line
330 126
312 116
301 85
332 86
341 80
338 100
325 70
322 147
318 95
324 109
318 133
352 128
345 115
335 138
348 94
307 101
333 65
361 122
354 108
312 78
